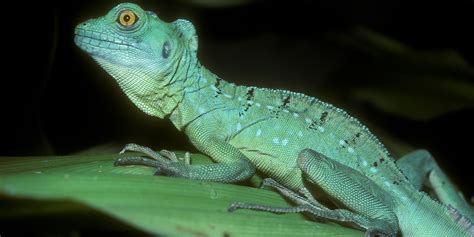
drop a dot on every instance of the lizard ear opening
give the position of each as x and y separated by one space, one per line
187 31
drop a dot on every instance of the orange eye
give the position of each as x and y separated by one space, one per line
127 18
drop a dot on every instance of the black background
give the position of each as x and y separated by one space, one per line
56 100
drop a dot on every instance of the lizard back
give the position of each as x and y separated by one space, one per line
272 126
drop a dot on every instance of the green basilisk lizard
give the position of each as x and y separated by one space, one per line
309 149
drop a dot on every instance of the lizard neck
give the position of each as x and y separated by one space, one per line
204 94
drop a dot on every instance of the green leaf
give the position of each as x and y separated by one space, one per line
86 193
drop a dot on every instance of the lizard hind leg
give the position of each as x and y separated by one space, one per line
363 208
314 209
364 203
420 166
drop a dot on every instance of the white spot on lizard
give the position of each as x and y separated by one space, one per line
239 98
276 140
284 142
300 134
350 150
321 129
269 107
308 120
259 132
286 111
227 96
341 142
373 170
296 115
239 126
201 110
258 104
364 163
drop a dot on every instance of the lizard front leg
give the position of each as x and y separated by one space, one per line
232 166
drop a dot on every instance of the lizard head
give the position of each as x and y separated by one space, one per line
145 55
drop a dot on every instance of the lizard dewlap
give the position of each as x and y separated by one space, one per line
302 144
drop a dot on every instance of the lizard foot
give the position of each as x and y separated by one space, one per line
154 159
341 215
269 182
304 204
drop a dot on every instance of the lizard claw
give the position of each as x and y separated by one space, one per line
134 160
129 147
174 158
169 154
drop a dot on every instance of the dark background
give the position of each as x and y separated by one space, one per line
56 100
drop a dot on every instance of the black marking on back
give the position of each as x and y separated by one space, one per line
217 84
286 101
248 102
285 104
323 117
354 139
322 120
250 94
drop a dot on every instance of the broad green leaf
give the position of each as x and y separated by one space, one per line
132 199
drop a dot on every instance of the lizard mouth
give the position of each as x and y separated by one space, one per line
99 44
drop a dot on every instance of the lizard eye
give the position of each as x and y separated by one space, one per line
127 18
165 52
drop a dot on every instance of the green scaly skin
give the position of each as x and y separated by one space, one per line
311 150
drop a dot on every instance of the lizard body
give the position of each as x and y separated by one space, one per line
309 148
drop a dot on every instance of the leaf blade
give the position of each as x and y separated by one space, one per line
159 205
